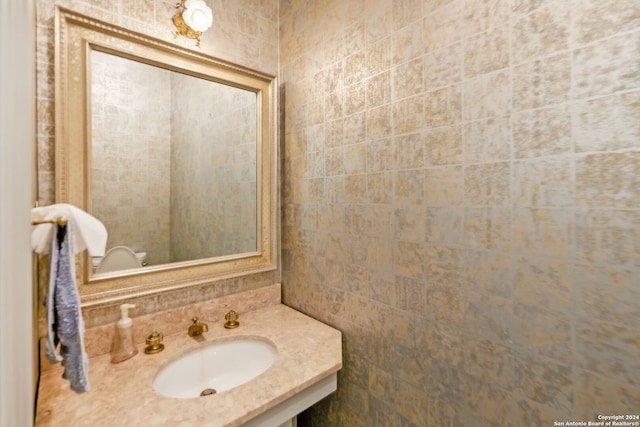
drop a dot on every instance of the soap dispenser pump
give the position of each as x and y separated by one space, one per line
124 346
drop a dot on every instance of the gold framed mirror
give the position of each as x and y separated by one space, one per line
173 150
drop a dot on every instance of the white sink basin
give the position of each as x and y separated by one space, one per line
215 368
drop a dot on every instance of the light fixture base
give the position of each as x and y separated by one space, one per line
193 19
184 30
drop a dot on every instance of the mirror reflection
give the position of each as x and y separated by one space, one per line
187 185
173 164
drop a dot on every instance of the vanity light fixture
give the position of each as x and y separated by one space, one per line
194 18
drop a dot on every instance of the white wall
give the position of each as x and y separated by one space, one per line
17 126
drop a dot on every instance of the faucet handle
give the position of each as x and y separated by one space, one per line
154 343
232 320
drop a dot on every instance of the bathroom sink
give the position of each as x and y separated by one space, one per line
215 368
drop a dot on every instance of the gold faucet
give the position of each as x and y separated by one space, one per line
197 328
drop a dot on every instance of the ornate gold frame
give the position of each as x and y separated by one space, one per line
75 36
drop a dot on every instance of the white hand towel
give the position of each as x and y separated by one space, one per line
90 233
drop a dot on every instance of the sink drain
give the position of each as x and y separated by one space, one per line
208 392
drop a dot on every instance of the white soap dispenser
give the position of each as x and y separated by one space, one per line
124 346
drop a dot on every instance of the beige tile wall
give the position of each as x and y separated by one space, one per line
244 32
461 199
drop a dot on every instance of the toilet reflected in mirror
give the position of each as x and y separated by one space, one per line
119 258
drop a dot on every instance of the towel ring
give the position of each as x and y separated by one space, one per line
61 220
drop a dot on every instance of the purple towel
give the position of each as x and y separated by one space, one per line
65 325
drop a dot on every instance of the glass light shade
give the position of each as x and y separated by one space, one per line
197 15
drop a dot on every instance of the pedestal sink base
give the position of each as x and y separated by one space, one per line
295 404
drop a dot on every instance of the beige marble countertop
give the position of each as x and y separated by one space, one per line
122 394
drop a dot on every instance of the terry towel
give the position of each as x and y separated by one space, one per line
65 325
90 233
